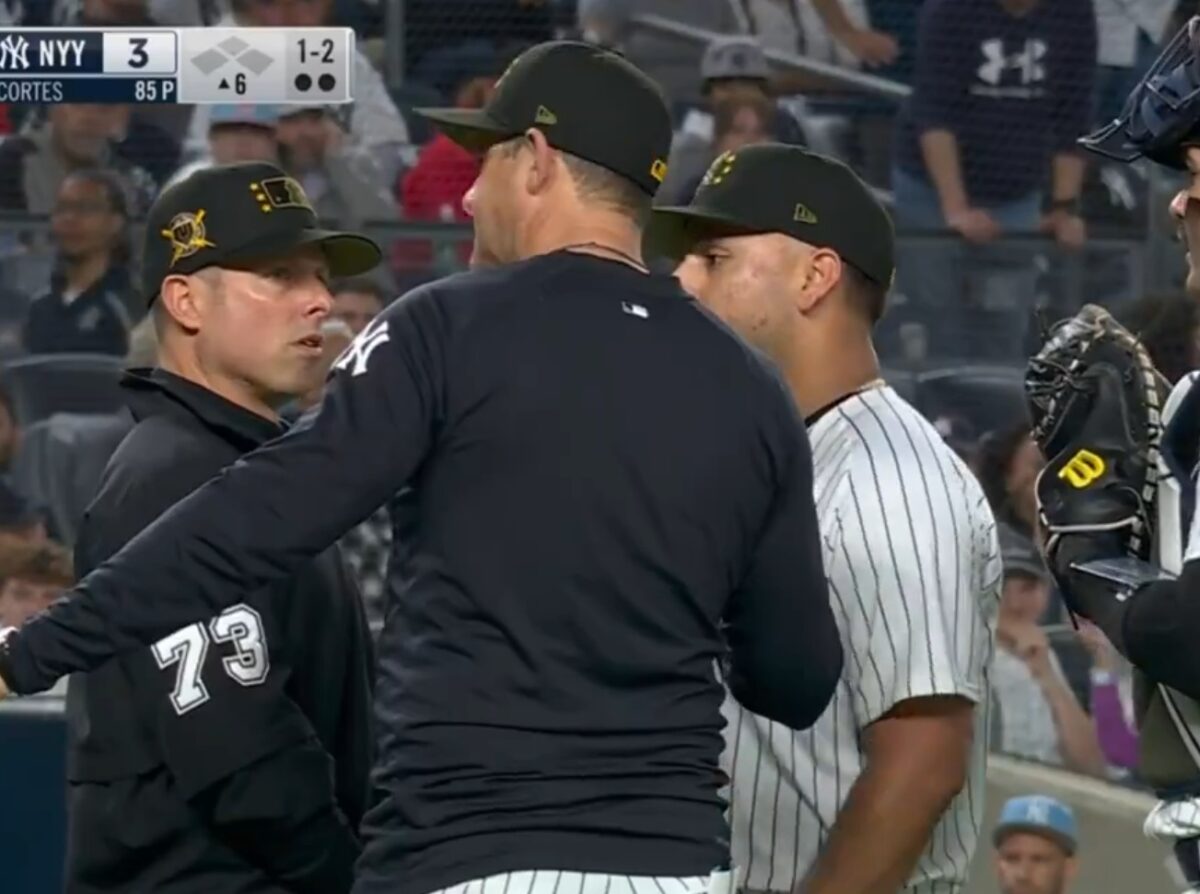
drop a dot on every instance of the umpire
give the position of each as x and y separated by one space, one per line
598 490
233 754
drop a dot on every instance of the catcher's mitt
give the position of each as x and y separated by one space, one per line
1095 398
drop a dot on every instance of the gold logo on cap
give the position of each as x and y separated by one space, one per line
719 169
187 235
658 170
545 116
279 192
804 214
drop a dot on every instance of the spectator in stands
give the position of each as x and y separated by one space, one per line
1111 700
738 121
1001 92
671 62
366 547
433 189
1169 326
91 303
1040 717
19 518
376 129
343 185
1007 464
32 575
72 137
1130 32
357 301
869 46
1036 840
442 37
733 68
10 432
237 132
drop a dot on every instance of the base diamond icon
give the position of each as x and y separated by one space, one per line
209 61
255 60
234 46
232 49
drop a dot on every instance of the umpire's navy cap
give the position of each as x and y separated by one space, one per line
588 101
772 188
227 215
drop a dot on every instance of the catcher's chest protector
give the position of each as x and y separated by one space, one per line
1168 721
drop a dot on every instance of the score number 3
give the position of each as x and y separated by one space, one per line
188 647
138 57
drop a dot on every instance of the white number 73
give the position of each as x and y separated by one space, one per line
240 625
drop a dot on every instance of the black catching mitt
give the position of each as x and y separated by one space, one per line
1095 400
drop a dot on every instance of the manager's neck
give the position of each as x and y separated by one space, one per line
603 233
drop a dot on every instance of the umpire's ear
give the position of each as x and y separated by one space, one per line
180 300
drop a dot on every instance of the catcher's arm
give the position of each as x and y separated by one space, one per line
1156 625
1095 399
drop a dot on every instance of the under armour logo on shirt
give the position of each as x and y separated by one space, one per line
359 351
1027 62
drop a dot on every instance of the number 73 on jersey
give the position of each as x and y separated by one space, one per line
239 630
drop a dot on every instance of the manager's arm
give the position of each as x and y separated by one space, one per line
257 521
785 655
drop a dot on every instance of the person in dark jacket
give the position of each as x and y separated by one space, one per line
233 754
89 307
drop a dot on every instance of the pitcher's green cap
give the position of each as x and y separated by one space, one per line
772 188
226 215
588 101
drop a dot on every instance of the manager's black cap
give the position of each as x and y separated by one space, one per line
771 188
229 214
588 101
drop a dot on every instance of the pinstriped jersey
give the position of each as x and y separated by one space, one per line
912 558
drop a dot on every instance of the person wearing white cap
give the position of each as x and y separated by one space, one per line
1036 842
237 132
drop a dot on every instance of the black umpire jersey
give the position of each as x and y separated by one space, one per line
233 754
600 489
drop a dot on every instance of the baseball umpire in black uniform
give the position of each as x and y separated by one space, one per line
599 491
233 754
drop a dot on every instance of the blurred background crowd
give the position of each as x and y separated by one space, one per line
963 114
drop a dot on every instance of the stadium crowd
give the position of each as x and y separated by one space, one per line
978 162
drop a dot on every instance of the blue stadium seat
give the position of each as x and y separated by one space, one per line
46 384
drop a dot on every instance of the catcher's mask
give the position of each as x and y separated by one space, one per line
1161 117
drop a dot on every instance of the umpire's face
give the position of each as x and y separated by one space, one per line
252 334
1185 208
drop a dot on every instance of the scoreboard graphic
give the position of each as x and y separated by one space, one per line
292 66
